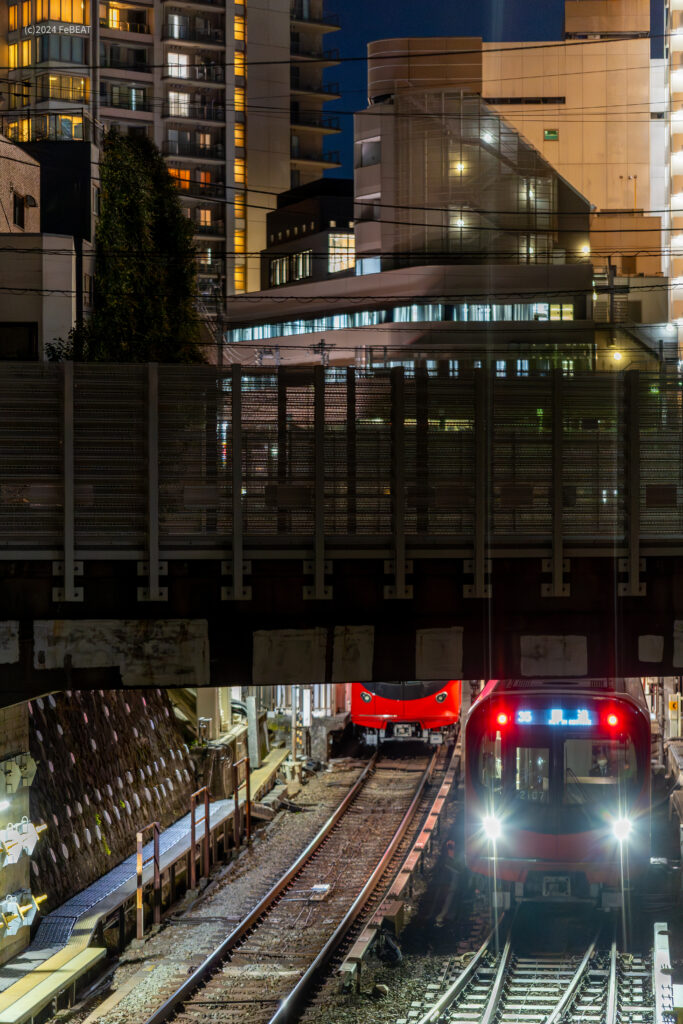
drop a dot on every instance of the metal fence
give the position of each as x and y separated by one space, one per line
156 462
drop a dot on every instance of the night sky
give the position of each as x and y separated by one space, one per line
505 20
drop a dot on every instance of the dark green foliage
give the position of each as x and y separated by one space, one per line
145 274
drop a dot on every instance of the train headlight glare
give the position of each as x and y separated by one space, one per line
365 696
622 829
492 827
441 697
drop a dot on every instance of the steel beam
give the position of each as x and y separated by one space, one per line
632 565
154 567
69 568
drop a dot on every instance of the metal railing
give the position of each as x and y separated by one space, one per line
126 26
195 73
299 13
156 884
196 111
186 34
203 795
314 120
161 462
301 49
213 152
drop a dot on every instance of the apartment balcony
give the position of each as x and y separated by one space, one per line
197 3
135 106
195 190
330 23
321 90
216 228
312 161
185 34
192 151
314 121
140 28
194 112
301 50
212 74
125 65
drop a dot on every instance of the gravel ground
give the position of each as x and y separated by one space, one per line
154 970
430 956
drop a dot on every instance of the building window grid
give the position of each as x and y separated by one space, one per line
281 273
341 253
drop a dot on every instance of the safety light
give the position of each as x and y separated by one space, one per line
492 827
502 718
365 696
612 719
622 829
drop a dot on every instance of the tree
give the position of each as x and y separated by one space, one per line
145 270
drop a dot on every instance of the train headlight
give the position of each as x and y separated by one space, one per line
365 696
492 827
622 829
440 697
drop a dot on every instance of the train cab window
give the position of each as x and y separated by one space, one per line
491 764
532 774
593 768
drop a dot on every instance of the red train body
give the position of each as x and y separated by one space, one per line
557 787
404 707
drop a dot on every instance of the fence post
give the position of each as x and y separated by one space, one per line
157 876
248 808
139 910
206 867
193 840
236 829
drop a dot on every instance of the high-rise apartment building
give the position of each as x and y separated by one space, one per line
230 90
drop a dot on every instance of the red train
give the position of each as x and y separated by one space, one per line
557 788
406 709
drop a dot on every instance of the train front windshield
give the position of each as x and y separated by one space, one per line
554 782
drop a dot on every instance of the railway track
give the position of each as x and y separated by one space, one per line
265 967
595 986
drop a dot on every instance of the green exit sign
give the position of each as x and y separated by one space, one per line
551 134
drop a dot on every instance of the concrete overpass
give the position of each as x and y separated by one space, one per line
182 526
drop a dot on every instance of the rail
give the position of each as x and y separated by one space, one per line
219 954
151 463
288 1009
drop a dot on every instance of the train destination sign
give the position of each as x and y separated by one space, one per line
555 716
55 28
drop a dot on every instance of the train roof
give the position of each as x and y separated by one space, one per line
628 686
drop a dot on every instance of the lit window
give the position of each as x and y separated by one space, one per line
568 367
239 136
205 257
26 13
204 178
341 253
26 53
240 240
279 270
239 99
13 58
239 27
240 170
204 140
501 368
204 217
54 10
240 206
239 63
239 279
179 104
178 65
522 367
302 265
67 10
181 176
113 17
13 18
567 310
